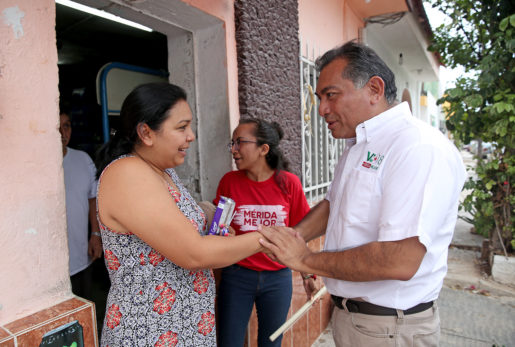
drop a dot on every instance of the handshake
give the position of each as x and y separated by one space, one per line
282 244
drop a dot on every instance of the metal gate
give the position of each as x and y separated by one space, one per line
320 151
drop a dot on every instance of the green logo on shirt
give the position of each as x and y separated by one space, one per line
373 161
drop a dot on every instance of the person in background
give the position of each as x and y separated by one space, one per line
264 193
80 187
389 215
154 233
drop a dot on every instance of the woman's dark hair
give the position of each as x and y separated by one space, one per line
362 64
146 104
270 133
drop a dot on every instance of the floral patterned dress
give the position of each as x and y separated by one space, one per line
152 301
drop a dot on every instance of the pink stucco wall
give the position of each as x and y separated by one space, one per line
324 27
224 10
351 23
33 245
320 27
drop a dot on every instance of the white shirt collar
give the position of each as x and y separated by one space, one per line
366 130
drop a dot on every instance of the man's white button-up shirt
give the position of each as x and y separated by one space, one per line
398 178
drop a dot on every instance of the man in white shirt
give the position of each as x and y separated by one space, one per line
80 186
389 214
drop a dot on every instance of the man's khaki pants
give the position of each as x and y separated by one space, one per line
357 329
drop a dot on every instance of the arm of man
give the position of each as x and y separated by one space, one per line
393 260
95 241
313 225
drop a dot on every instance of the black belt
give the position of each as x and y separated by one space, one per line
376 310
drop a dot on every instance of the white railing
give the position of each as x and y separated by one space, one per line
320 151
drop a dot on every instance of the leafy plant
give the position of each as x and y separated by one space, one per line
480 37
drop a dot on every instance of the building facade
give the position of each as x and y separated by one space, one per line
235 58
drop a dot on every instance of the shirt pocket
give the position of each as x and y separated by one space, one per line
359 196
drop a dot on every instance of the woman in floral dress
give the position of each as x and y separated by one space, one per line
153 232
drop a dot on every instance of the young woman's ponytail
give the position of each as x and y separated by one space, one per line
271 133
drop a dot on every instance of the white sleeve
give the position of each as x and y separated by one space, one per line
92 170
419 189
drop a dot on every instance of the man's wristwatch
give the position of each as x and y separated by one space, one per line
308 276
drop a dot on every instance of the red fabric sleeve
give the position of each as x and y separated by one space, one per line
299 206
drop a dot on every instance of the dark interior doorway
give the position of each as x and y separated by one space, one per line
85 43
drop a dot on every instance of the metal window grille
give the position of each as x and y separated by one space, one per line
320 151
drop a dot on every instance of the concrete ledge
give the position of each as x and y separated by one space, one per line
464 271
503 269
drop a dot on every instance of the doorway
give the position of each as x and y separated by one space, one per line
187 42
85 43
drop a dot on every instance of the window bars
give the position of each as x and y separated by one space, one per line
320 151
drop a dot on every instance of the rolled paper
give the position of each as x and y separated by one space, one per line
297 315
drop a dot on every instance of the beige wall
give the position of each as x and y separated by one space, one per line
33 245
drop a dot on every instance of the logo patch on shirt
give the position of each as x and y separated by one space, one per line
373 161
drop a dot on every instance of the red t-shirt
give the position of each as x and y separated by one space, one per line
262 203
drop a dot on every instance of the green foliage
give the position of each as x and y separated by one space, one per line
481 39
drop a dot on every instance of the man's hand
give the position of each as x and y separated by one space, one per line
269 252
311 285
95 241
95 247
287 246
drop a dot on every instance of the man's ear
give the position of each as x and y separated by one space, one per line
376 88
145 134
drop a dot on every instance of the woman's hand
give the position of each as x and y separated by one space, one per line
286 245
209 210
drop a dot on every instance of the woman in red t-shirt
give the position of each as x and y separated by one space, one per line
265 194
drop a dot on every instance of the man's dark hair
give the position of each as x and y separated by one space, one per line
362 64
65 107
